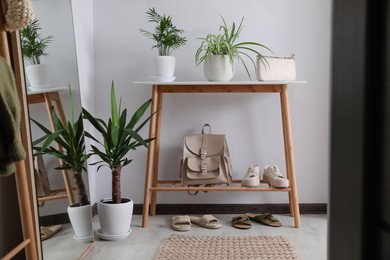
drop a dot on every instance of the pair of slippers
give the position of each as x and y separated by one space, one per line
244 221
183 223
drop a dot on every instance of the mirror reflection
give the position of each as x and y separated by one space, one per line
49 53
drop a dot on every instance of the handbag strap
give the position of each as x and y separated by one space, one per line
196 192
204 126
203 150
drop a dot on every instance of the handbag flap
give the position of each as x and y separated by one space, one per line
215 143
194 164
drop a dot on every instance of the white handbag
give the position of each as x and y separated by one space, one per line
276 68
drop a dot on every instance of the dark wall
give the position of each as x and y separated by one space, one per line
359 225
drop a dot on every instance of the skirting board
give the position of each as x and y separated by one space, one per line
177 209
180 209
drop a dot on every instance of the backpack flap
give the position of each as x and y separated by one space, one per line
209 169
215 144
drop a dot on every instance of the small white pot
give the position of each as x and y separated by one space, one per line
38 74
163 66
115 219
81 220
218 68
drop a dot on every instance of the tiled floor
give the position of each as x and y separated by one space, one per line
310 241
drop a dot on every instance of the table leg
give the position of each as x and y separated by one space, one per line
156 154
149 164
289 154
61 115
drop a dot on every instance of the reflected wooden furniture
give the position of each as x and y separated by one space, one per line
49 97
24 170
154 185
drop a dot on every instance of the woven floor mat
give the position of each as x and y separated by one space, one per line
225 247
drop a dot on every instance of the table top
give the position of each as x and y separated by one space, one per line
276 82
46 90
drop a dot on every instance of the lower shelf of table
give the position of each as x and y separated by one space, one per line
175 185
55 194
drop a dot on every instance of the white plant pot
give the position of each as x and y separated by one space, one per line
115 219
81 220
38 75
163 66
218 68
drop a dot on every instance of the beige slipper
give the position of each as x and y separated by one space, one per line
206 221
181 223
49 231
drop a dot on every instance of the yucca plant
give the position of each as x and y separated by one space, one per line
70 137
33 46
225 43
119 137
166 35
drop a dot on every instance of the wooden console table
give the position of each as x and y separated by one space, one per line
154 185
48 96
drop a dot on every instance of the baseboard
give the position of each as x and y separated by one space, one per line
177 209
55 219
61 218
185 209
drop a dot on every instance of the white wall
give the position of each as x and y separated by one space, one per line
83 20
250 121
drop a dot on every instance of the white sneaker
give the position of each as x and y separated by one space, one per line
252 177
274 178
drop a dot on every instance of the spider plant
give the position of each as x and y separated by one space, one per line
226 43
70 136
119 137
33 46
166 35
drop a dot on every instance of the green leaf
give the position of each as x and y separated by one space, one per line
114 107
138 114
94 121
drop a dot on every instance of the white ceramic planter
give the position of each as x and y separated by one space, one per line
115 219
81 220
218 68
38 75
163 67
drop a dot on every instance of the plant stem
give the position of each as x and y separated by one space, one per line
116 185
80 187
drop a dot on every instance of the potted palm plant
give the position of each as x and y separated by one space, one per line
33 49
119 137
70 137
167 38
219 52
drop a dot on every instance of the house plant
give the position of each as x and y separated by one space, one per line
167 38
219 51
119 137
70 137
33 49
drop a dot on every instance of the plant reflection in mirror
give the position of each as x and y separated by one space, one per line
70 136
33 46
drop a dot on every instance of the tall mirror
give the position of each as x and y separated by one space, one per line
49 53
